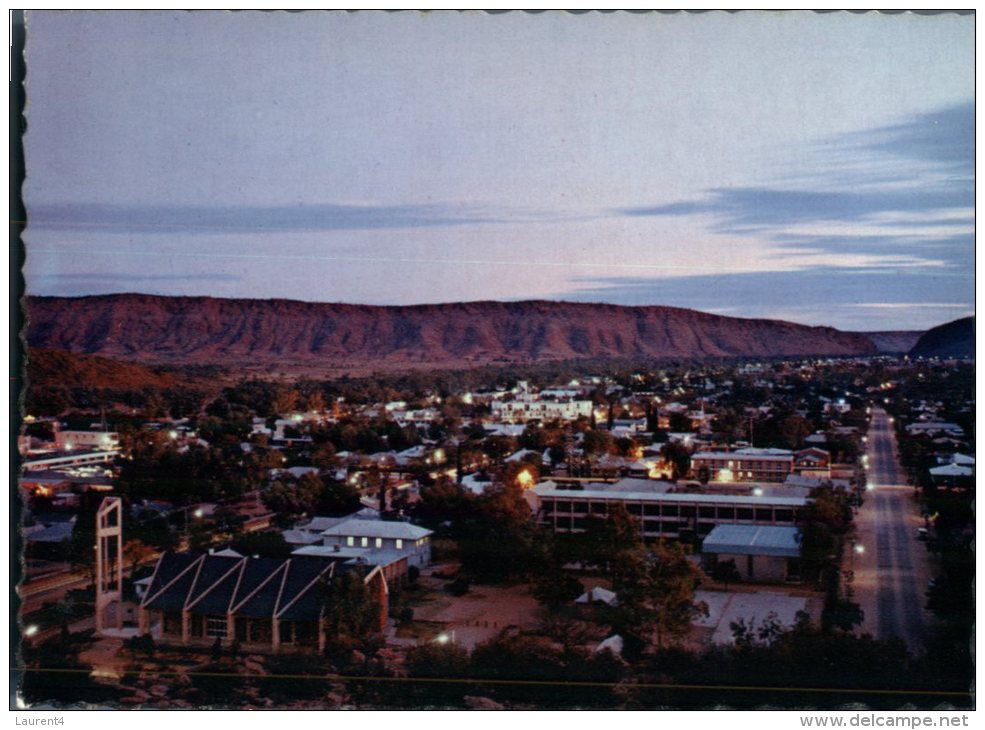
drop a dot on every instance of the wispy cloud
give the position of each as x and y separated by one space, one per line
911 298
923 167
128 277
167 219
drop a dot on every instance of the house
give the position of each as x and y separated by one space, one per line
402 537
476 482
762 553
263 604
812 462
953 475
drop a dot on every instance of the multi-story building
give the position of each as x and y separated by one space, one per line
744 465
400 537
661 513
84 440
529 406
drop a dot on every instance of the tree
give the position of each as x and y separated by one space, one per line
82 548
521 474
679 422
262 544
351 613
555 588
136 552
500 540
842 614
285 401
656 592
678 456
597 442
794 429
823 523
607 539
337 498
294 498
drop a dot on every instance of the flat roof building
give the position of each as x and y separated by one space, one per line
661 514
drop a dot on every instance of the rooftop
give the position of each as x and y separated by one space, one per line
551 490
753 540
372 528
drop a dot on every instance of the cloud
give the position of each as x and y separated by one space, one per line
924 166
949 250
945 137
920 298
125 277
757 208
169 219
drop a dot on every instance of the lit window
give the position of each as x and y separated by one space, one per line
215 627
379 542
350 541
400 544
364 542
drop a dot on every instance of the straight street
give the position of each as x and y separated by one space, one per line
892 566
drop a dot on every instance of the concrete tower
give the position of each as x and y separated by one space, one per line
109 565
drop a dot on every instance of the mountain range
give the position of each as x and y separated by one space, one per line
251 333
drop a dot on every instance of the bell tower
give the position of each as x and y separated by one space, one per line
109 564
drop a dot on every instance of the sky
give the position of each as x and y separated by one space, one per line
817 168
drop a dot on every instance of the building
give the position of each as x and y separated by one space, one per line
662 514
529 406
82 440
812 462
762 553
395 565
263 604
74 459
744 465
400 537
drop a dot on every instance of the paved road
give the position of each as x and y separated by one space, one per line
891 574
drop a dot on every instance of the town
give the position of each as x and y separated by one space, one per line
559 534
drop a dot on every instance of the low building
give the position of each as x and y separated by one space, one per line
395 565
69 459
263 604
762 553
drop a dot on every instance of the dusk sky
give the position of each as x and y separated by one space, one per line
811 167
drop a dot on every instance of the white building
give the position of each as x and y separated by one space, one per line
402 537
529 406
84 440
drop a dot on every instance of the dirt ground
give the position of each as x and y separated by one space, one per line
478 615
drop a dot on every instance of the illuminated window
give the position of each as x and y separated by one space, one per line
350 541
215 627
364 542
400 544
379 542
